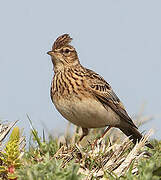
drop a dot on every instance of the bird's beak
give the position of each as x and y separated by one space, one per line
51 53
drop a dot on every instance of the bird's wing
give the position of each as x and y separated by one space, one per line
104 93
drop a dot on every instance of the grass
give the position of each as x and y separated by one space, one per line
57 158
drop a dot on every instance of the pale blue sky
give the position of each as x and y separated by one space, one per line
119 39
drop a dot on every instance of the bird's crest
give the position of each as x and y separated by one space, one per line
62 40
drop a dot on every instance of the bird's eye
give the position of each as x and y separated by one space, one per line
66 51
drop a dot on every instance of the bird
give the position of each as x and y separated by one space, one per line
83 97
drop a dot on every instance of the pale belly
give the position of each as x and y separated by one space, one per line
87 113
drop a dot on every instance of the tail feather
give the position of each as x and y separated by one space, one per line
134 134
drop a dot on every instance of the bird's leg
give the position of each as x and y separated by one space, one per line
84 133
78 145
95 142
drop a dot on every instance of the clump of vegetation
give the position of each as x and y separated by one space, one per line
61 158
10 157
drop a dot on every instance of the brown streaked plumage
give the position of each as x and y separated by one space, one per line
83 97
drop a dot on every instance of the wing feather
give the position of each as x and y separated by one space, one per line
104 93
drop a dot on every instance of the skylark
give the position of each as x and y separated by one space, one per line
83 97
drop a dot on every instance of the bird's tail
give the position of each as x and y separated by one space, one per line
134 134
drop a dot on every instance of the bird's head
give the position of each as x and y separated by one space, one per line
62 53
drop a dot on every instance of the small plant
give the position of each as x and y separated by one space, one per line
10 157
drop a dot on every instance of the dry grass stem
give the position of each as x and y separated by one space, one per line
5 129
